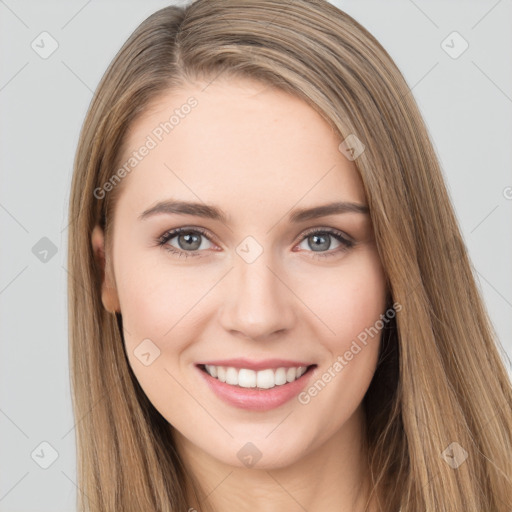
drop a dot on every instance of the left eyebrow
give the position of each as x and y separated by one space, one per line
301 215
213 212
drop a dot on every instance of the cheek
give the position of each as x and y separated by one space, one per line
344 300
350 304
154 303
347 299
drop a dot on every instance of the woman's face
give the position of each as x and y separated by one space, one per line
252 278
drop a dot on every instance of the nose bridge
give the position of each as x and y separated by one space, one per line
259 303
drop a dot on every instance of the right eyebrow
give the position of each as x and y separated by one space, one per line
185 208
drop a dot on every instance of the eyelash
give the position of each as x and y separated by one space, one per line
162 241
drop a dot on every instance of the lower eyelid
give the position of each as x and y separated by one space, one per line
345 243
168 236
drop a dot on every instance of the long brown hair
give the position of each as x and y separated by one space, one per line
440 379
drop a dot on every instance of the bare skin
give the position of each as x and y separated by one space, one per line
258 154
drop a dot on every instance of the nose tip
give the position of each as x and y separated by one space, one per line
259 304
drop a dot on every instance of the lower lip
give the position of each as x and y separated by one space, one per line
255 399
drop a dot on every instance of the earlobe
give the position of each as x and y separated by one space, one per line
109 296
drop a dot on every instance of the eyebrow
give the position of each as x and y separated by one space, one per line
213 212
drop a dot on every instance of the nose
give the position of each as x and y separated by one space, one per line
258 301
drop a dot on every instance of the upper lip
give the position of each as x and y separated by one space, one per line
241 362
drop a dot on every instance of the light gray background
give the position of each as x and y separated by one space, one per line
466 102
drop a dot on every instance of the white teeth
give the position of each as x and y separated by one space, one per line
221 373
291 373
263 379
247 378
280 377
231 376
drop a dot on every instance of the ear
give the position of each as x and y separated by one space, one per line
108 289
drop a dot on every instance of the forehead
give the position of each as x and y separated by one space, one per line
236 138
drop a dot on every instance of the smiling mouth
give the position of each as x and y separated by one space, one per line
263 379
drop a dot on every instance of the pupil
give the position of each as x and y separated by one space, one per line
188 239
321 245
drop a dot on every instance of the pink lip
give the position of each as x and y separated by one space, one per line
241 362
256 399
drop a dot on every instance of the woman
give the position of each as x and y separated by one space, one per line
271 305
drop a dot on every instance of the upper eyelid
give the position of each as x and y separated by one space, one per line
172 233
332 231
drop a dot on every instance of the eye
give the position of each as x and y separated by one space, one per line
188 240
320 240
